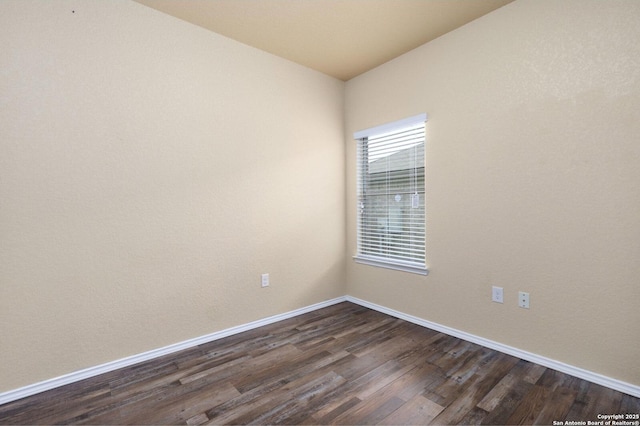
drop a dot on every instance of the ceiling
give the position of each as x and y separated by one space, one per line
341 38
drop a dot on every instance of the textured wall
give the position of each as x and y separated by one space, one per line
149 172
533 179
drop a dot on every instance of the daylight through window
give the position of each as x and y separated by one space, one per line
391 189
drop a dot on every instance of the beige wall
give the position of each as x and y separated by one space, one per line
150 171
533 179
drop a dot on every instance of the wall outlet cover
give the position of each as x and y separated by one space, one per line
497 294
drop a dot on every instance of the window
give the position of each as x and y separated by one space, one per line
391 209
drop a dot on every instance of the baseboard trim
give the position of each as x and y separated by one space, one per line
76 376
590 376
14 395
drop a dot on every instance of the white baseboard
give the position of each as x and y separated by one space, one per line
76 376
599 379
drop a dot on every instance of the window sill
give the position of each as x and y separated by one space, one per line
397 266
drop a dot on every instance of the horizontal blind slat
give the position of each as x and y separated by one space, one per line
391 222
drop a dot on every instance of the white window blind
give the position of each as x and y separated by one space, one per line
391 188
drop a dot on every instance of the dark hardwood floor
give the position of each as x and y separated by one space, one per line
344 364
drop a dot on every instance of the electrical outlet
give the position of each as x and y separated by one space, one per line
265 280
497 294
523 299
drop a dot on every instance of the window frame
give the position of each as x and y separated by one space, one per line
383 261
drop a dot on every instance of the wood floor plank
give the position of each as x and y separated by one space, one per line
198 419
601 400
336 402
296 401
320 418
417 411
235 406
266 368
276 400
475 416
303 373
528 409
520 372
344 364
629 405
508 403
219 369
480 385
45 407
371 411
558 407
380 377
177 407
411 382
383 402
581 403
533 373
